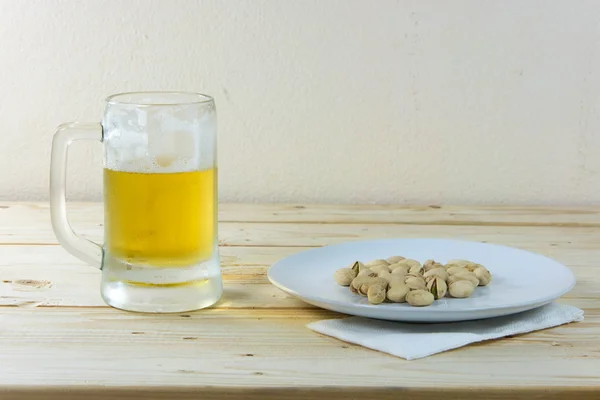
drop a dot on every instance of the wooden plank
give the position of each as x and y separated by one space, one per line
296 393
38 231
341 214
268 348
411 215
293 393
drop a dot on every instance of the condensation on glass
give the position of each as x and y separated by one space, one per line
160 251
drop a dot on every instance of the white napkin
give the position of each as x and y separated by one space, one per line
412 341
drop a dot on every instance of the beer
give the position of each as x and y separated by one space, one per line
160 219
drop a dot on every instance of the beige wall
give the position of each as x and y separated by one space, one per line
323 101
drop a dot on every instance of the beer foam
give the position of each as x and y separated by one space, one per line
148 140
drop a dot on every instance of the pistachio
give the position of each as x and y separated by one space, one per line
364 287
376 262
376 294
379 268
464 276
436 272
385 275
344 276
415 282
397 293
451 279
459 263
394 259
461 289
357 265
399 273
416 269
419 298
483 275
437 287
396 281
472 267
469 266
382 282
367 272
353 290
409 262
401 268
359 280
430 264
455 270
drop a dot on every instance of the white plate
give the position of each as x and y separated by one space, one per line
521 280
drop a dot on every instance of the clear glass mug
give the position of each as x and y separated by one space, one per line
160 251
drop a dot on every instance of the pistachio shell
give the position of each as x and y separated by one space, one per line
468 265
397 293
394 259
483 275
415 282
416 269
363 289
456 270
464 276
430 264
373 263
419 298
367 272
381 282
368 282
460 263
385 275
396 281
359 280
400 268
472 267
409 262
376 294
359 265
380 268
461 289
399 275
439 272
344 276
437 287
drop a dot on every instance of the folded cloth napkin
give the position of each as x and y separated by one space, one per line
412 341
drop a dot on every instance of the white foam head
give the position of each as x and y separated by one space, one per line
157 134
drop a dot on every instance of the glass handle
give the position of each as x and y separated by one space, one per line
78 246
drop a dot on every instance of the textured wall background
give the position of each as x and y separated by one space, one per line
324 101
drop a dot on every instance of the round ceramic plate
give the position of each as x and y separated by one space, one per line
521 280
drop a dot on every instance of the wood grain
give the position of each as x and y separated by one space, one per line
292 393
270 348
343 214
59 340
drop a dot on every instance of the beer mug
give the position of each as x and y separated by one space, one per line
160 251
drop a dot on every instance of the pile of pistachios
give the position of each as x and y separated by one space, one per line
398 280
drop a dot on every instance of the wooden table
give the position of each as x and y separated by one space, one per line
58 338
